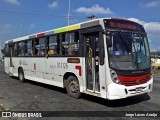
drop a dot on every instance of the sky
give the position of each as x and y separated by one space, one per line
24 17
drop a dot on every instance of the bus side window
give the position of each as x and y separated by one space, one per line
40 47
64 45
29 51
76 44
15 50
71 44
7 52
21 49
52 46
58 44
36 43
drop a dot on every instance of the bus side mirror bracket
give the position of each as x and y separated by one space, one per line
101 52
101 56
108 38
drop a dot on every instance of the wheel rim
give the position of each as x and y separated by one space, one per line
74 86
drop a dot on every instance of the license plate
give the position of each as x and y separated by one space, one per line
139 89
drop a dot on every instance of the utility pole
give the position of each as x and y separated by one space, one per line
0 44
91 17
20 27
69 12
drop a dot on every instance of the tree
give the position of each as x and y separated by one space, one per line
3 51
155 55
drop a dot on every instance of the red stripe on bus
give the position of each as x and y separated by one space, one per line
79 69
40 34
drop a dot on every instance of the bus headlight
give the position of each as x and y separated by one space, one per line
114 77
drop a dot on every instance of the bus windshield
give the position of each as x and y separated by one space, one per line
129 51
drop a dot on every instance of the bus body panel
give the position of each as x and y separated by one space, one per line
46 70
116 91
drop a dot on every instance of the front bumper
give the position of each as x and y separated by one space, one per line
116 91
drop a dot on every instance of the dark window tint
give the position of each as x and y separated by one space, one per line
53 48
7 50
40 47
21 49
70 44
15 49
29 48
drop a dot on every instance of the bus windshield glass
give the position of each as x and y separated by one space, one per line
129 50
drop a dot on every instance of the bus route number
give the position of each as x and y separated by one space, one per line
62 65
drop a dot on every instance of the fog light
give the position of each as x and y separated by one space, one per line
126 91
149 86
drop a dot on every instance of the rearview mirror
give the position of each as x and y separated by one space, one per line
108 41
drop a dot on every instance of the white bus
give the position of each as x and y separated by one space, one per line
106 57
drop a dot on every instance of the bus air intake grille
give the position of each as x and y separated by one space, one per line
134 80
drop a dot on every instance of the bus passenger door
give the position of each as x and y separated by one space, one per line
92 61
10 61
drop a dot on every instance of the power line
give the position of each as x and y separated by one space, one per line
91 17
36 15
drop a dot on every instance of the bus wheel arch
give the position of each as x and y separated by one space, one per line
65 77
21 74
72 85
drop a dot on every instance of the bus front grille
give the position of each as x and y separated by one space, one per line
134 80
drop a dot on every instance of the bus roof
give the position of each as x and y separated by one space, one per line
81 25
59 30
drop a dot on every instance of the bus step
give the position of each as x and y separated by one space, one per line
92 93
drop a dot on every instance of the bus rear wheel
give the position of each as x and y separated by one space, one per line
21 75
72 87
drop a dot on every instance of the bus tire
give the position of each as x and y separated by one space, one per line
72 87
21 75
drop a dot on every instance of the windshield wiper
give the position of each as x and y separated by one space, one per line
134 57
124 40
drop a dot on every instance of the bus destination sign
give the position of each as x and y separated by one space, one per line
123 24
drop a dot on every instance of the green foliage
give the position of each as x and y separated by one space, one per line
156 71
155 54
3 50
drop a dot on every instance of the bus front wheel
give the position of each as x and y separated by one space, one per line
21 75
72 86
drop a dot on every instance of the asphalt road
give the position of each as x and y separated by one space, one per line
32 96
